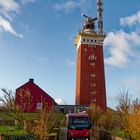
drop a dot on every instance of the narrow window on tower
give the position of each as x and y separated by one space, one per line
85 49
93 100
93 92
92 75
93 84
92 64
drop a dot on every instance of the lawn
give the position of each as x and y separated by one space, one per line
14 130
8 130
29 116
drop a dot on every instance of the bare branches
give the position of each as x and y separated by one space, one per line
8 100
129 111
94 113
15 106
11 108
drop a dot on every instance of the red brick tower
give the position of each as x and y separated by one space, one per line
90 77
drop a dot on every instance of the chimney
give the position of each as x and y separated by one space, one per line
31 80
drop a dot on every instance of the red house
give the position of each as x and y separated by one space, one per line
37 97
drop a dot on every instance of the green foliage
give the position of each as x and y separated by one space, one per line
109 120
118 132
94 112
55 120
129 111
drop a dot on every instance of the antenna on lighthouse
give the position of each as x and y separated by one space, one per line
100 16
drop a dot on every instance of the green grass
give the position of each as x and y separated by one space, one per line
11 130
118 132
5 117
14 130
29 116
26 115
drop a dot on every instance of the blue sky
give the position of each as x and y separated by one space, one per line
36 41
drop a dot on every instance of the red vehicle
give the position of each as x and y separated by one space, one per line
78 126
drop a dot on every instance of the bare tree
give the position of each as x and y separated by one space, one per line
11 108
46 119
124 101
129 111
94 112
39 127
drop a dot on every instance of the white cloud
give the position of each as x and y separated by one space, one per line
60 101
69 5
131 20
9 6
6 26
65 6
70 63
122 45
9 9
119 50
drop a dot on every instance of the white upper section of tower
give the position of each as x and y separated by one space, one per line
91 39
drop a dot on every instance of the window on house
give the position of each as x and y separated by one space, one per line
39 106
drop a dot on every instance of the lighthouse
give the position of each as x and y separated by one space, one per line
90 75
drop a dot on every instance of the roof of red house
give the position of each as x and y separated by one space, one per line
31 82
